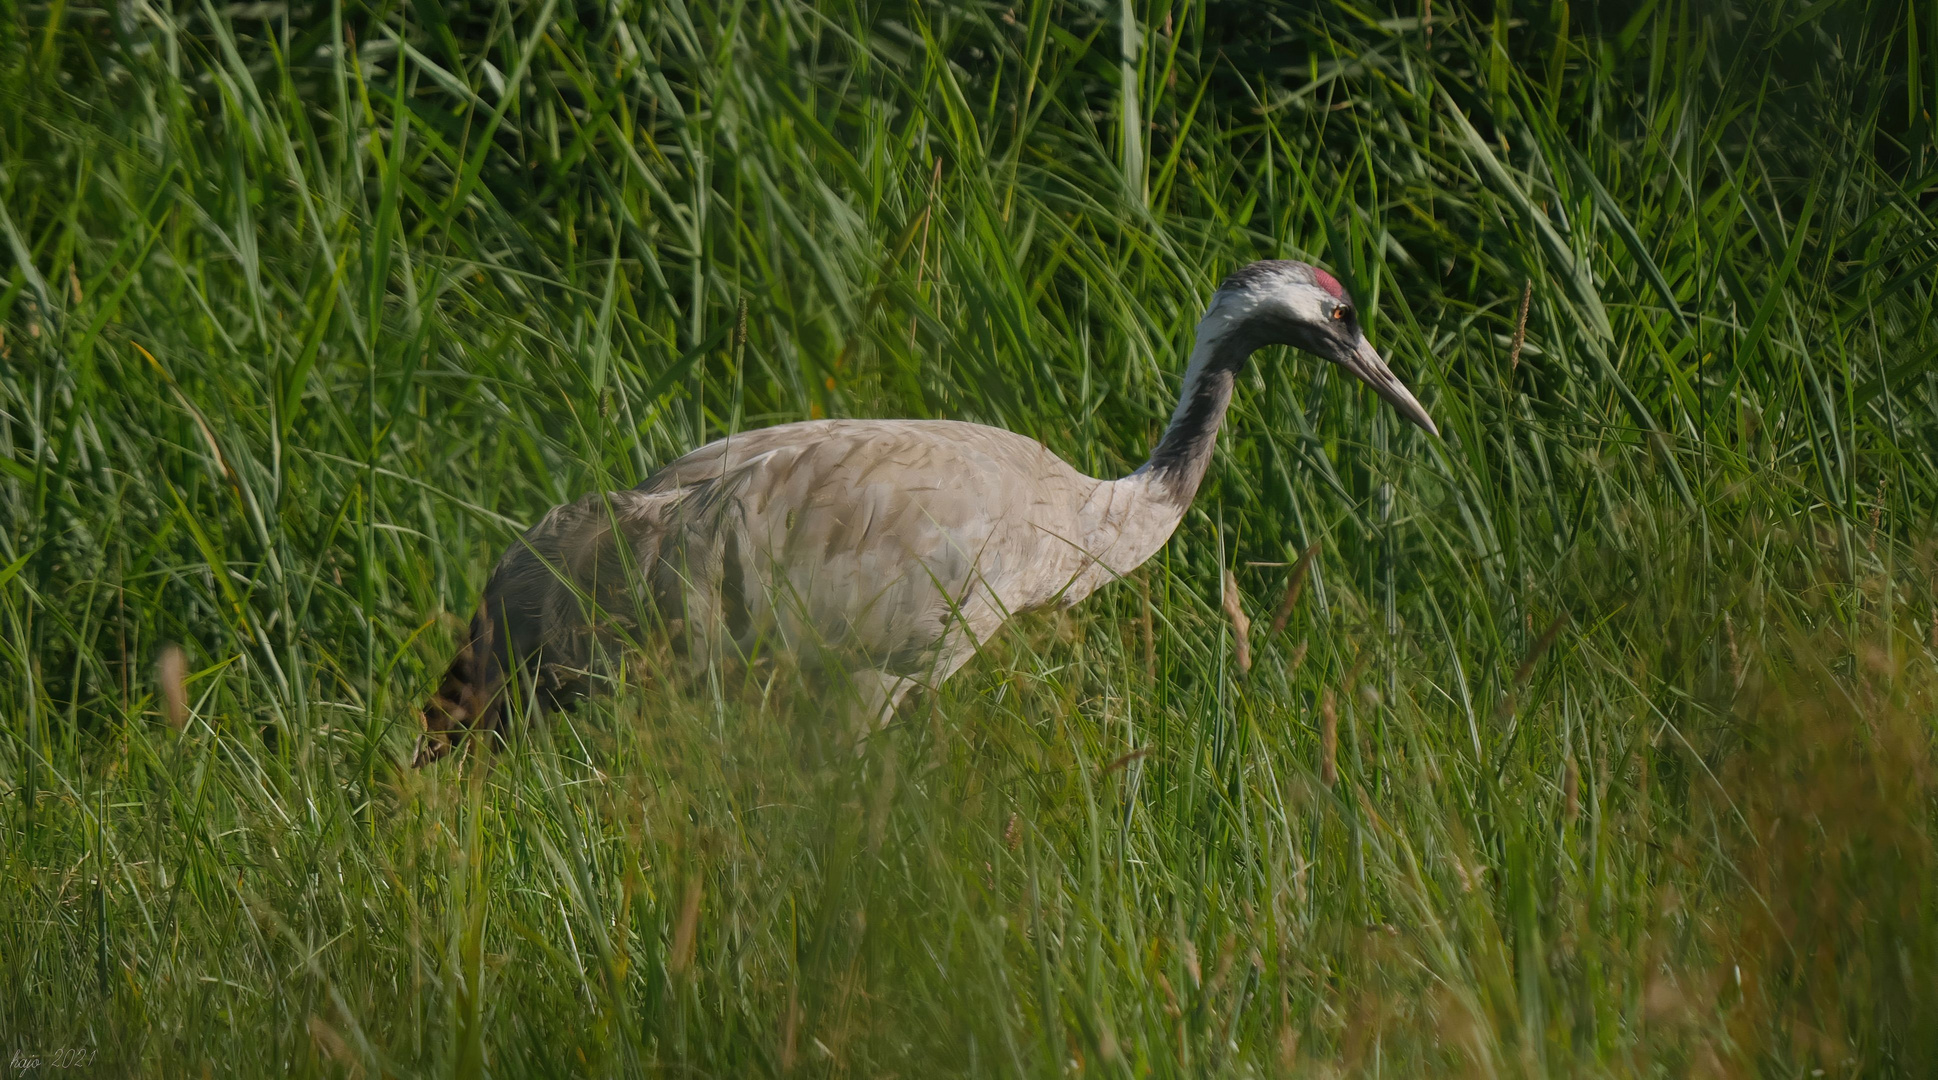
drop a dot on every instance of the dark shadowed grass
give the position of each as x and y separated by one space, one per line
1598 740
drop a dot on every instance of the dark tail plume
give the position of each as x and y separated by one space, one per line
556 589
470 697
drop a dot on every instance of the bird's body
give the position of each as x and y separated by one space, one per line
885 550
878 543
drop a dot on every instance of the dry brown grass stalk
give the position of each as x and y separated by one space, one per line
171 681
1241 624
1520 327
1328 739
332 1046
1293 588
686 931
1541 646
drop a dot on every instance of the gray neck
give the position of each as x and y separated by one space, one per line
1178 464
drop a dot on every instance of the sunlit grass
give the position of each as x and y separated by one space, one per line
1597 742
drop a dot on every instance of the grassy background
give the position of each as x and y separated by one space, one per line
307 308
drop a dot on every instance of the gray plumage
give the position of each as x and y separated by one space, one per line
878 550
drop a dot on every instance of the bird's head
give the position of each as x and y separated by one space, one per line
1281 302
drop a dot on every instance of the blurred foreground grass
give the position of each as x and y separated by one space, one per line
307 308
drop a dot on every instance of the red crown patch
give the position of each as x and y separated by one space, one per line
1329 283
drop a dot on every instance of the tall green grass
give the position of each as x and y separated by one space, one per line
307 309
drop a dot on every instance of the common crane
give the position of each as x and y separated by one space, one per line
882 550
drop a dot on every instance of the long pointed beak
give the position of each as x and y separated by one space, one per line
1367 366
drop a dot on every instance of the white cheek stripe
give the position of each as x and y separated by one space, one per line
1302 300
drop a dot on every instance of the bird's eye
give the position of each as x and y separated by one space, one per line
1340 313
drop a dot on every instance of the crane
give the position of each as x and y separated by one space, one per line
879 550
